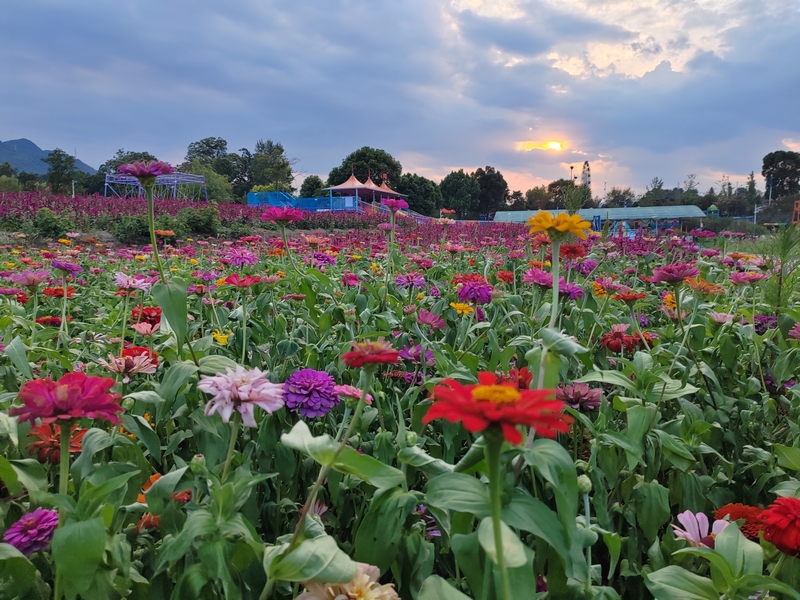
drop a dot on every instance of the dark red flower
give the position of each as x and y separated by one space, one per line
47 448
630 296
74 396
466 278
616 339
134 351
782 525
58 292
571 251
505 276
22 298
149 314
242 282
490 403
370 352
736 512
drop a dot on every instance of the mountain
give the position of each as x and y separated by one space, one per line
26 156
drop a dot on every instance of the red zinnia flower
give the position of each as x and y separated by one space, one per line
74 396
491 403
630 296
571 251
616 339
48 446
58 292
751 515
22 298
371 352
782 525
505 276
242 282
150 315
134 351
466 278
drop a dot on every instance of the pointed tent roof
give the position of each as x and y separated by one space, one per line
353 184
389 190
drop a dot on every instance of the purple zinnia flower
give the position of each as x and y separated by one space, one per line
586 267
580 396
572 291
33 532
240 257
67 267
414 354
29 278
674 273
644 321
311 393
410 280
478 292
320 258
146 172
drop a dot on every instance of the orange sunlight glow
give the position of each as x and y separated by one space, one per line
547 145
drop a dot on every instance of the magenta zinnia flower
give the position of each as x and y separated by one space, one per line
426 317
538 277
311 393
579 396
74 396
746 278
241 390
33 532
674 273
146 172
696 531
410 280
394 205
30 279
281 215
478 292
66 267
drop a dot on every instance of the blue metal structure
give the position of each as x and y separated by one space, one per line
636 213
185 186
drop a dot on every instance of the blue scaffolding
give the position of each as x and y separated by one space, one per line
184 186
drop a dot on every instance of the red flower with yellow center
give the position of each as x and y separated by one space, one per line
490 403
371 352
630 296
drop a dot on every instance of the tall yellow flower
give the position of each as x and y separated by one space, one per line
559 225
220 338
462 308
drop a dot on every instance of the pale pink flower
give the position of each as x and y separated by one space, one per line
695 529
129 365
241 390
363 586
145 329
719 317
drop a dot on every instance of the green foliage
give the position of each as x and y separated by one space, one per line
131 229
9 183
202 221
48 224
271 166
424 195
218 186
781 169
494 190
312 187
61 171
460 192
368 162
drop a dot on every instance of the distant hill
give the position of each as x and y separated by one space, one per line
26 156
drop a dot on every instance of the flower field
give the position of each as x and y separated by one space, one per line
445 411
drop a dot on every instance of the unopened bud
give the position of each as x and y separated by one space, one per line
411 439
198 464
584 484
582 465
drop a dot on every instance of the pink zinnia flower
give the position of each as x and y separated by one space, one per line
719 317
794 332
30 279
282 215
538 277
146 172
129 365
349 393
746 278
695 529
241 390
674 273
434 321
74 396
394 204
145 328
33 532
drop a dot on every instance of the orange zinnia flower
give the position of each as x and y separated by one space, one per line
490 403
701 285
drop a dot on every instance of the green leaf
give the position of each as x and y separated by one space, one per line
323 449
175 378
94 441
92 497
17 573
378 538
744 557
613 542
78 550
676 583
553 462
9 477
513 549
417 457
18 354
31 474
460 493
788 456
139 427
216 363
436 588
529 514
147 396
171 297
317 559
652 501
557 342
160 493
755 583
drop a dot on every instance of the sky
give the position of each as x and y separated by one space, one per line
639 88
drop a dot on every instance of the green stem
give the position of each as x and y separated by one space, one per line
235 426
778 566
244 325
125 321
286 245
63 488
151 218
341 425
555 268
33 322
63 327
494 445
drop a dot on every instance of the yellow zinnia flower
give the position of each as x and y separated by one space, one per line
15 252
140 257
420 296
669 301
194 261
221 281
598 290
10 265
462 308
220 338
562 223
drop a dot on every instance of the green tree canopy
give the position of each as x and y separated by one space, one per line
366 162
783 167
206 150
619 197
312 187
460 192
62 170
539 198
494 190
7 170
271 166
558 190
424 195
218 186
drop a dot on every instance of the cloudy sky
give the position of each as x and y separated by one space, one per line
639 88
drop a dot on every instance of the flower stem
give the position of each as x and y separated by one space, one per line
244 325
125 322
151 219
63 487
33 322
286 245
64 309
494 445
232 446
555 262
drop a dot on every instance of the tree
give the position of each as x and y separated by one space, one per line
460 192
752 195
95 184
618 197
206 150
558 190
218 187
270 165
494 190
368 162
424 196
28 181
690 183
539 198
516 201
62 170
9 183
781 170
312 187
7 170
655 195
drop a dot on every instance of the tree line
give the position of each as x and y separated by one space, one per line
267 167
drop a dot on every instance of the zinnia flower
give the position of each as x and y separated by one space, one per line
425 317
462 308
394 205
311 393
282 215
350 395
129 365
477 292
74 396
242 282
47 448
538 277
410 280
241 390
66 267
562 223
146 172
746 278
33 532
30 279
782 525
151 315
696 529
363 586
579 396
673 273
750 514
370 353
492 404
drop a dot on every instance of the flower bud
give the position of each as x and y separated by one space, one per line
198 464
411 439
584 484
582 465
